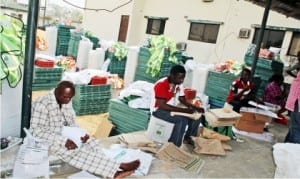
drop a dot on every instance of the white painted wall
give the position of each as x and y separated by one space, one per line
234 14
103 24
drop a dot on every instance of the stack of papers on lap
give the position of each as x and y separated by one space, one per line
74 133
194 116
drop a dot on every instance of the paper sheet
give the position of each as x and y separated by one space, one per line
74 133
194 116
120 154
32 162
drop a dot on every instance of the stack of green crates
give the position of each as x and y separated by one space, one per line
217 87
63 37
116 66
91 99
127 119
46 78
265 68
143 57
74 44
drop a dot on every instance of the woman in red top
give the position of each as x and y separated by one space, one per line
241 91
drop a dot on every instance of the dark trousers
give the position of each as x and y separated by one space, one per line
293 136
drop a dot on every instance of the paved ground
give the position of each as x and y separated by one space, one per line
249 159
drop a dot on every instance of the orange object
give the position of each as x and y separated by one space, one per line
98 80
44 63
189 93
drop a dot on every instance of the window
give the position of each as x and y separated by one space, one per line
204 32
295 44
156 26
272 38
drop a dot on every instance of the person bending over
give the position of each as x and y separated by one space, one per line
50 113
274 94
168 91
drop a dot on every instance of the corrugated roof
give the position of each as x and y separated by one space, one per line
290 8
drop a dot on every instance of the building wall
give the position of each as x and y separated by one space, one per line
103 24
234 15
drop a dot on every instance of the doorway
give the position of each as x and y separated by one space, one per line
123 28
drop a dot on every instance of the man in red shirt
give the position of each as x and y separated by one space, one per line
241 91
168 92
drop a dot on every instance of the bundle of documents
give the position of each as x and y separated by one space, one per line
136 140
171 153
32 160
217 117
120 154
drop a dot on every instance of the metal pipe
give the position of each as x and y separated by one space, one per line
33 10
260 35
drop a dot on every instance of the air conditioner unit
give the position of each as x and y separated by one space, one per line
244 33
181 46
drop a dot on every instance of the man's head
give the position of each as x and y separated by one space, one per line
64 92
177 74
246 74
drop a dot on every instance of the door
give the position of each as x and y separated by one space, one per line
123 28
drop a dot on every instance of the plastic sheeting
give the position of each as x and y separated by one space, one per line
287 160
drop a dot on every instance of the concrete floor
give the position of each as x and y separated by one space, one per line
249 159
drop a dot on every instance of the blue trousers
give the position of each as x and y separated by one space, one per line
180 123
293 135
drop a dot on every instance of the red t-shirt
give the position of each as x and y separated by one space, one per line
237 86
165 90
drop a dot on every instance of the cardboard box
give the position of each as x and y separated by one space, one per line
97 126
252 122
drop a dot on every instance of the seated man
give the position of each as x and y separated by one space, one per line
50 113
167 91
241 91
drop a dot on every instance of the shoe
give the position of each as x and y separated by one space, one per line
281 120
266 129
188 141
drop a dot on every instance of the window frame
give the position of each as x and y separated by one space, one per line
267 40
292 51
155 25
204 31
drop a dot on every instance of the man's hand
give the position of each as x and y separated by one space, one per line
70 145
85 138
200 110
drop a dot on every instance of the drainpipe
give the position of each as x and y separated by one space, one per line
33 9
260 35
